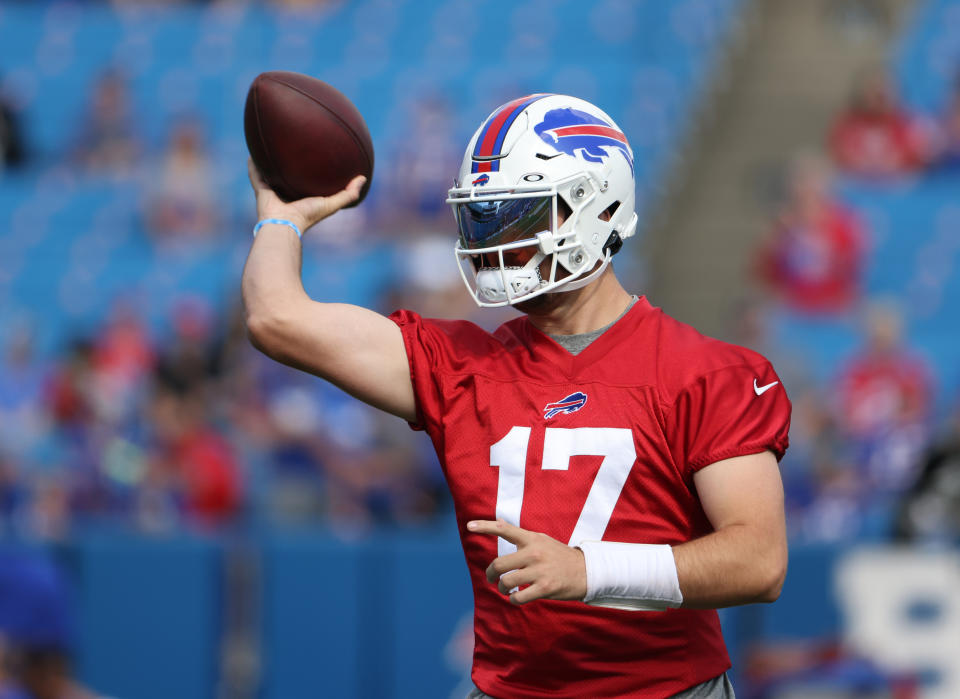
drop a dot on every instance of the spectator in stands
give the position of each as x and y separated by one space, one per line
36 629
23 419
930 510
123 347
107 142
813 256
122 359
12 147
875 136
821 491
69 393
884 398
182 201
192 463
948 133
377 474
187 363
195 458
11 493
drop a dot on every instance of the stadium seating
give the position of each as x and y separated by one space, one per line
913 223
70 245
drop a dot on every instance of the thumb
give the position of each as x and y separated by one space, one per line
320 208
350 193
352 190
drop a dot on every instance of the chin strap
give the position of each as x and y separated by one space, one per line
580 282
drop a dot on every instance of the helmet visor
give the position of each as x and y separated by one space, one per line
484 224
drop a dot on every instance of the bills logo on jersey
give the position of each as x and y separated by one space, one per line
580 134
570 404
482 180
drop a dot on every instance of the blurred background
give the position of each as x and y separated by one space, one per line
181 517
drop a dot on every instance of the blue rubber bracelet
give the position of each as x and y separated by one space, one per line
281 221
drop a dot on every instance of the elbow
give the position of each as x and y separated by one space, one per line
774 575
265 332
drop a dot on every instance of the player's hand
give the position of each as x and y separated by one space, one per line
303 212
549 569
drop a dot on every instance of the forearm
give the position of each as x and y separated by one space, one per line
738 564
271 277
271 285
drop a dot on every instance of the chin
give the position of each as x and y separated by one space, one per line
541 304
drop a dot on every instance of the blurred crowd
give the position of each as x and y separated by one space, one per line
871 457
192 427
187 426
198 430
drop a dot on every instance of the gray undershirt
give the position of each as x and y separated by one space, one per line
575 344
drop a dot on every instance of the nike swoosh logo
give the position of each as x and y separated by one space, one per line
760 390
544 156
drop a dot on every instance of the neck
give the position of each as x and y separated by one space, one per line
580 311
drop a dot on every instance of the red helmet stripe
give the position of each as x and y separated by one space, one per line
490 141
589 130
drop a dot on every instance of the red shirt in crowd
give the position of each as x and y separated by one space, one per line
876 144
210 474
815 265
880 391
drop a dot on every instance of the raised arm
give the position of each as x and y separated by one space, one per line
354 348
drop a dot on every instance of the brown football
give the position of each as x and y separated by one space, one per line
306 138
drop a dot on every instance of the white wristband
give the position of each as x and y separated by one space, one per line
631 576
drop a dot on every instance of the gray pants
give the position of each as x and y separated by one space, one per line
717 688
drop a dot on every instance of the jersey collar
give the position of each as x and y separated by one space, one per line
545 348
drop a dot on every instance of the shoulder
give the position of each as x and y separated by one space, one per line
455 339
685 356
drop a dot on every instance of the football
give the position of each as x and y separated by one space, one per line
306 138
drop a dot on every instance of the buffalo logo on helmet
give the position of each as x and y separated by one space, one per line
482 180
570 404
580 134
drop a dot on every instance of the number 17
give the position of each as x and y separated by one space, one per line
614 444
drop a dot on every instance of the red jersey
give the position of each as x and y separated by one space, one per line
601 445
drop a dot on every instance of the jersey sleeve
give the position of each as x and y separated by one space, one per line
727 412
426 350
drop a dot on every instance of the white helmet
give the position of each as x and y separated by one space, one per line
526 155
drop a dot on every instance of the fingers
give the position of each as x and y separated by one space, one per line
515 535
305 212
348 194
528 594
316 209
542 566
504 564
356 185
514 579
